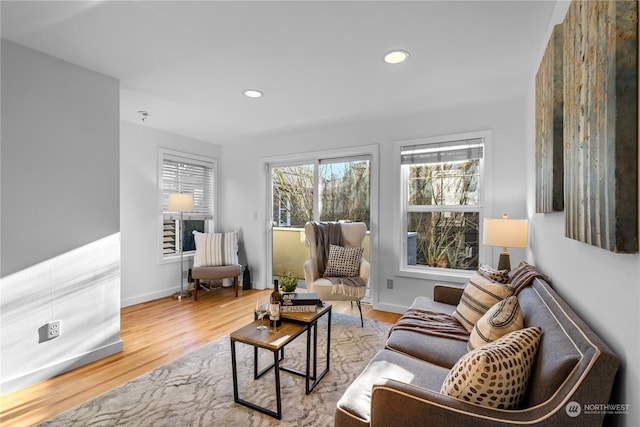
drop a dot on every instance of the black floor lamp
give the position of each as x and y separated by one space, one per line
181 202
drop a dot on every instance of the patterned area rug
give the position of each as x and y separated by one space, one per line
197 389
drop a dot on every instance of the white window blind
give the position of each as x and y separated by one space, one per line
185 174
182 175
448 151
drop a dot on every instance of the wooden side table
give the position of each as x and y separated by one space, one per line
273 341
310 320
293 325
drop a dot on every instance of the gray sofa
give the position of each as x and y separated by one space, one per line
401 384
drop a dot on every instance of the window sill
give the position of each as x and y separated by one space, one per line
444 275
176 258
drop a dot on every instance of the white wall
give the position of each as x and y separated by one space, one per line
601 286
243 181
143 277
60 216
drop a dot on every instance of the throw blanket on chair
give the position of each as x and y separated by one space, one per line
431 323
327 234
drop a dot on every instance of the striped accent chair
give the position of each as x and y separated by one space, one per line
216 258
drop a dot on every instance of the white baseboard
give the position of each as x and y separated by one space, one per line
60 367
391 308
138 299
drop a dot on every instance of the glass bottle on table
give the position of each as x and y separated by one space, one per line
275 299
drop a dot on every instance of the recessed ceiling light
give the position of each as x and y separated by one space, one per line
253 93
396 56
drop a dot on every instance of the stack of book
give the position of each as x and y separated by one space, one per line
299 302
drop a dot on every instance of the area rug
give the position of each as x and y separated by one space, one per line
197 389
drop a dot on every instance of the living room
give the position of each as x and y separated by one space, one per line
102 194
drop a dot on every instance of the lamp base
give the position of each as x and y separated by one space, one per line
504 263
181 294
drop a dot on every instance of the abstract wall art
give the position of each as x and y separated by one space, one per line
601 124
549 127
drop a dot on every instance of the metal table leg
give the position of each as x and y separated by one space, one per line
276 364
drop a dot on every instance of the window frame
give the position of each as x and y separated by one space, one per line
483 208
210 219
265 216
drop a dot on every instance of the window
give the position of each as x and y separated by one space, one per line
185 173
292 195
342 185
344 189
442 202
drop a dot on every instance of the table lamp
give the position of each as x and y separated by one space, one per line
505 232
181 202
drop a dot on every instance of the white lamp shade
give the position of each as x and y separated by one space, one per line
505 232
180 202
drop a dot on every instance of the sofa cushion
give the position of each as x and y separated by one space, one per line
356 400
495 375
343 262
425 303
479 295
215 249
502 318
441 351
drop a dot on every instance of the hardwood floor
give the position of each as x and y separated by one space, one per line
153 333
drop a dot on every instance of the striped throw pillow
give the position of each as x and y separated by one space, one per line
478 297
215 249
502 318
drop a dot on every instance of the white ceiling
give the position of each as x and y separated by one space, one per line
318 62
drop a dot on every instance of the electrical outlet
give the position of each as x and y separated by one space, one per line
185 274
389 284
54 329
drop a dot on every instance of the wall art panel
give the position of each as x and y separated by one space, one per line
549 121
601 124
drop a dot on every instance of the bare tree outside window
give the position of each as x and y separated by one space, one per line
442 213
344 193
292 195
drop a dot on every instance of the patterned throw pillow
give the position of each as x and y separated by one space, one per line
343 262
478 296
500 276
502 318
215 249
497 374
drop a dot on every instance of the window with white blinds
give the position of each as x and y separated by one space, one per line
184 173
442 182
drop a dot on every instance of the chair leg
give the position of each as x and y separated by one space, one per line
235 285
360 308
196 285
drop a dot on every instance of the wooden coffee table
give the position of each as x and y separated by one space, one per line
293 325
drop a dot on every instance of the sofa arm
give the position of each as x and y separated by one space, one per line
447 294
397 403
